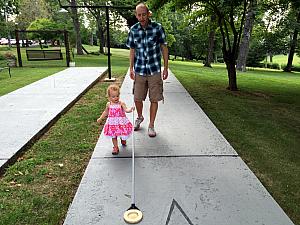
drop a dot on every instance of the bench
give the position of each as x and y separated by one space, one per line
3 67
37 55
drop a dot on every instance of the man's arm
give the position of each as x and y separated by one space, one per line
165 54
131 63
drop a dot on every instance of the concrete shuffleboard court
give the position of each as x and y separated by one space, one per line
187 175
28 111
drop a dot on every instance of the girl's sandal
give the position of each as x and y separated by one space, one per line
123 142
115 151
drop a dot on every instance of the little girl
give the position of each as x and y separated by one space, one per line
117 124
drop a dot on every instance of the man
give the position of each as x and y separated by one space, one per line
147 42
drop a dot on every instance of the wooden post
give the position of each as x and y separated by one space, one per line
109 79
67 46
18 48
108 43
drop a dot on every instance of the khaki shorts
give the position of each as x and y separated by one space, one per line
153 83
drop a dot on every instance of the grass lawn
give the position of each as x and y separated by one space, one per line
261 121
35 70
31 72
40 186
282 59
22 77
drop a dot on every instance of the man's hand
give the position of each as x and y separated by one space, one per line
132 74
165 74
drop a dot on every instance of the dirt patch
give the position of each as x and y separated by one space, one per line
251 94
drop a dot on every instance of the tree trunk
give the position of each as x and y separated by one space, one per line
92 39
229 59
231 71
100 35
211 44
40 43
244 47
188 51
289 65
77 28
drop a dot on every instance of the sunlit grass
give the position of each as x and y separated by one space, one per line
261 121
40 186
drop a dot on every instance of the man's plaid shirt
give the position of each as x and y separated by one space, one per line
146 43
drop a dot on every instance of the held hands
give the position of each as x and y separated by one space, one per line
131 109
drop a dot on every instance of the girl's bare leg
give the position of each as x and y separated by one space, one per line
115 142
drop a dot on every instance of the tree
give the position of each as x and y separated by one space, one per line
165 17
244 47
74 14
28 14
7 8
230 19
99 18
211 42
273 30
75 18
128 15
295 4
45 24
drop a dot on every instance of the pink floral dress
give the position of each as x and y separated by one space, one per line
117 124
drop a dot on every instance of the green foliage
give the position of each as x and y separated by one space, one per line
8 8
118 38
85 36
188 31
7 28
256 54
2 57
3 30
273 66
294 68
165 16
28 13
45 24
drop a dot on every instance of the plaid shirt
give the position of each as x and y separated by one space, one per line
146 43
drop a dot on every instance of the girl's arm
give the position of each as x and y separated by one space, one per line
104 114
127 110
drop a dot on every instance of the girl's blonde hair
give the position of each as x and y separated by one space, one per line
112 87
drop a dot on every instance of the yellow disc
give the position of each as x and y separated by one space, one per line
133 216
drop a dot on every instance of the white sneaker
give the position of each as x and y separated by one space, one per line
138 122
151 132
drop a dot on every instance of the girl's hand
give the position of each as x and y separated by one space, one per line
99 120
129 110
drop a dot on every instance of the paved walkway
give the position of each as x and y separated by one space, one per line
188 175
27 112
